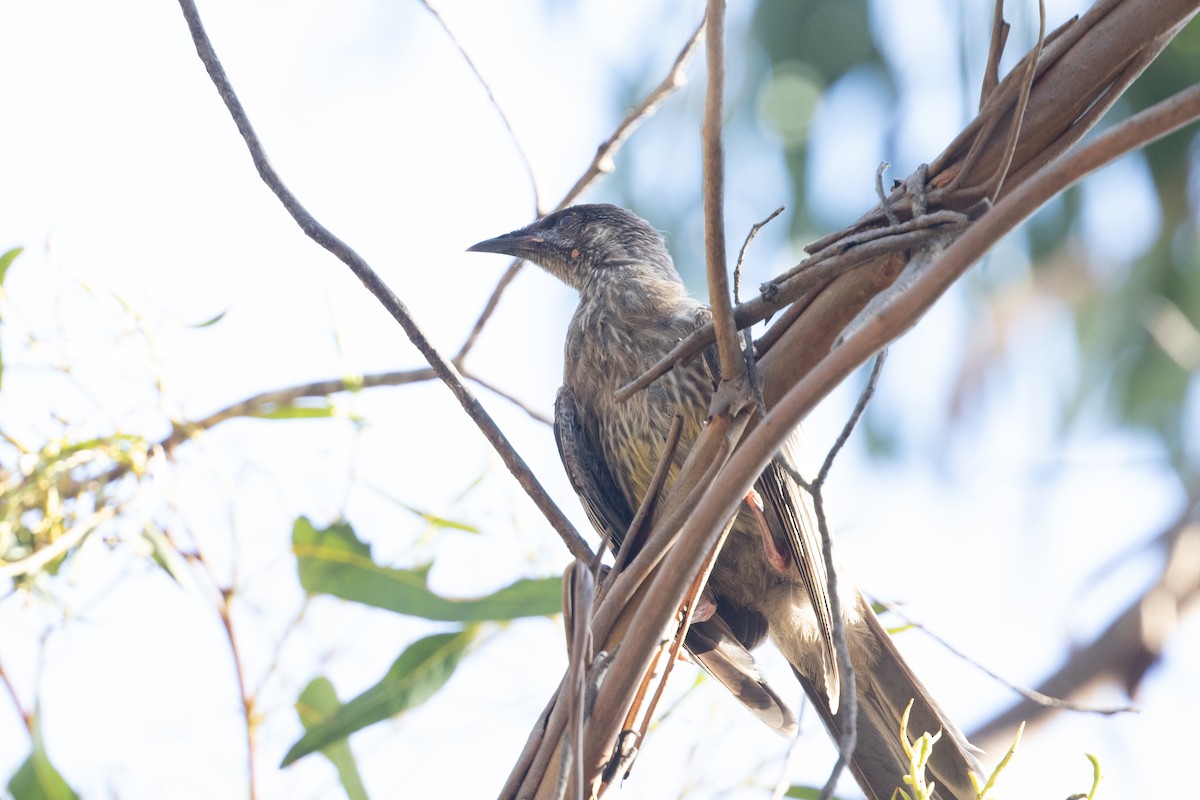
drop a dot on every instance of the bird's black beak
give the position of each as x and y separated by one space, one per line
519 244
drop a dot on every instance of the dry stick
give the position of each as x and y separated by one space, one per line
26 716
1131 134
737 268
849 736
677 567
263 401
1032 695
991 73
602 164
322 236
733 366
748 342
184 430
760 445
223 611
516 401
996 180
892 219
1088 119
512 134
579 592
693 596
814 271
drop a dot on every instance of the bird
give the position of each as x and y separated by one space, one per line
769 580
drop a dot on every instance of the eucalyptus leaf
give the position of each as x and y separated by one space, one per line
316 704
6 260
211 321
422 669
334 561
37 779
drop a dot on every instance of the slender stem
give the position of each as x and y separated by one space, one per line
602 164
26 716
223 611
487 87
848 739
322 236
713 147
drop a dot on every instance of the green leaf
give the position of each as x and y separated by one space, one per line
334 561
213 321
37 779
422 669
293 411
163 552
316 705
6 260
440 522
804 792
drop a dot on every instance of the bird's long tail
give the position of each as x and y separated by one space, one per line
883 688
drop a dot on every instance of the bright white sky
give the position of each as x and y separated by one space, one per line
123 177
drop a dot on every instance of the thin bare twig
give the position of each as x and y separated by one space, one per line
322 236
1032 695
816 270
26 716
991 73
1014 136
516 401
867 393
512 134
223 611
848 739
1124 137
262 402
737 268
602 164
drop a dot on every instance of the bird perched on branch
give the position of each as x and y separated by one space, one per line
769 579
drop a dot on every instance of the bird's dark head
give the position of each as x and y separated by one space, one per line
578 241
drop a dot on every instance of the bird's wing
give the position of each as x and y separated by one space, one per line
712 642
603 501
792 520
